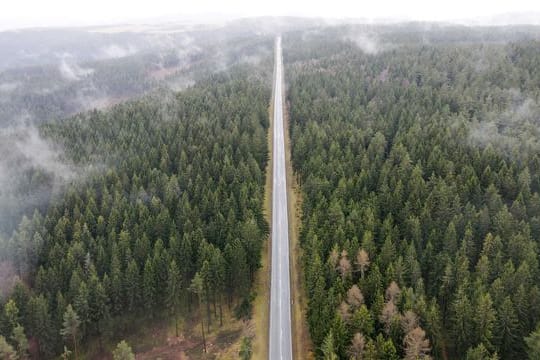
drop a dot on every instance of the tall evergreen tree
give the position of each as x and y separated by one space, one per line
70 328
174 287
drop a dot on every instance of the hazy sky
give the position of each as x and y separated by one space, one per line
30 13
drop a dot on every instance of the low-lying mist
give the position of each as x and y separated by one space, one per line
512 130
31 170
35 168
72 71
367 41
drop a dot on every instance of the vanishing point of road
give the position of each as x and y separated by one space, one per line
280 345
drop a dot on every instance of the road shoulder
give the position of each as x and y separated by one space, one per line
302 346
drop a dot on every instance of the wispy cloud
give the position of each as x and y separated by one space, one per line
115 51
71 71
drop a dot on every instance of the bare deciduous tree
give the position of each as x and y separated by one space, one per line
416 345
388 315
344 267
392 292
409 321
354 297
344 311
362 260
356 350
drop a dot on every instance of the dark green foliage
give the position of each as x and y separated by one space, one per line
179 191
425 156
533 344
246 351
243 310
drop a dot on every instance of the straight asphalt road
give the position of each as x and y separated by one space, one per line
280 345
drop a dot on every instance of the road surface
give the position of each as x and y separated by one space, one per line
280 346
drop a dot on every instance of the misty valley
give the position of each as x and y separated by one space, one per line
136 199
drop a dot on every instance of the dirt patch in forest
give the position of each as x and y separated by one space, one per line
175 349
222 342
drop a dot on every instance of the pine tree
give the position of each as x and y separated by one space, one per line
205 276
132 285
386 349
533 344
40 324
197 287
98 307
480 353
328 349
318 312
6 350
461 325
11 312
362 321
149 287
341 336
82 307
70 328
484 320
174 287
123 352
19 338
506 328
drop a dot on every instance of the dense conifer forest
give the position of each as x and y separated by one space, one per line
418 157
415 147
167 223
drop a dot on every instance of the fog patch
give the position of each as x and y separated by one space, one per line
180 84
310 34
8 275
8 87
32 169
90 103
184 53
31 172
514 130
115 51
366 41
224 59
46 90
23 146
255 57
186 40
250 59
71 71
185 49
89 97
